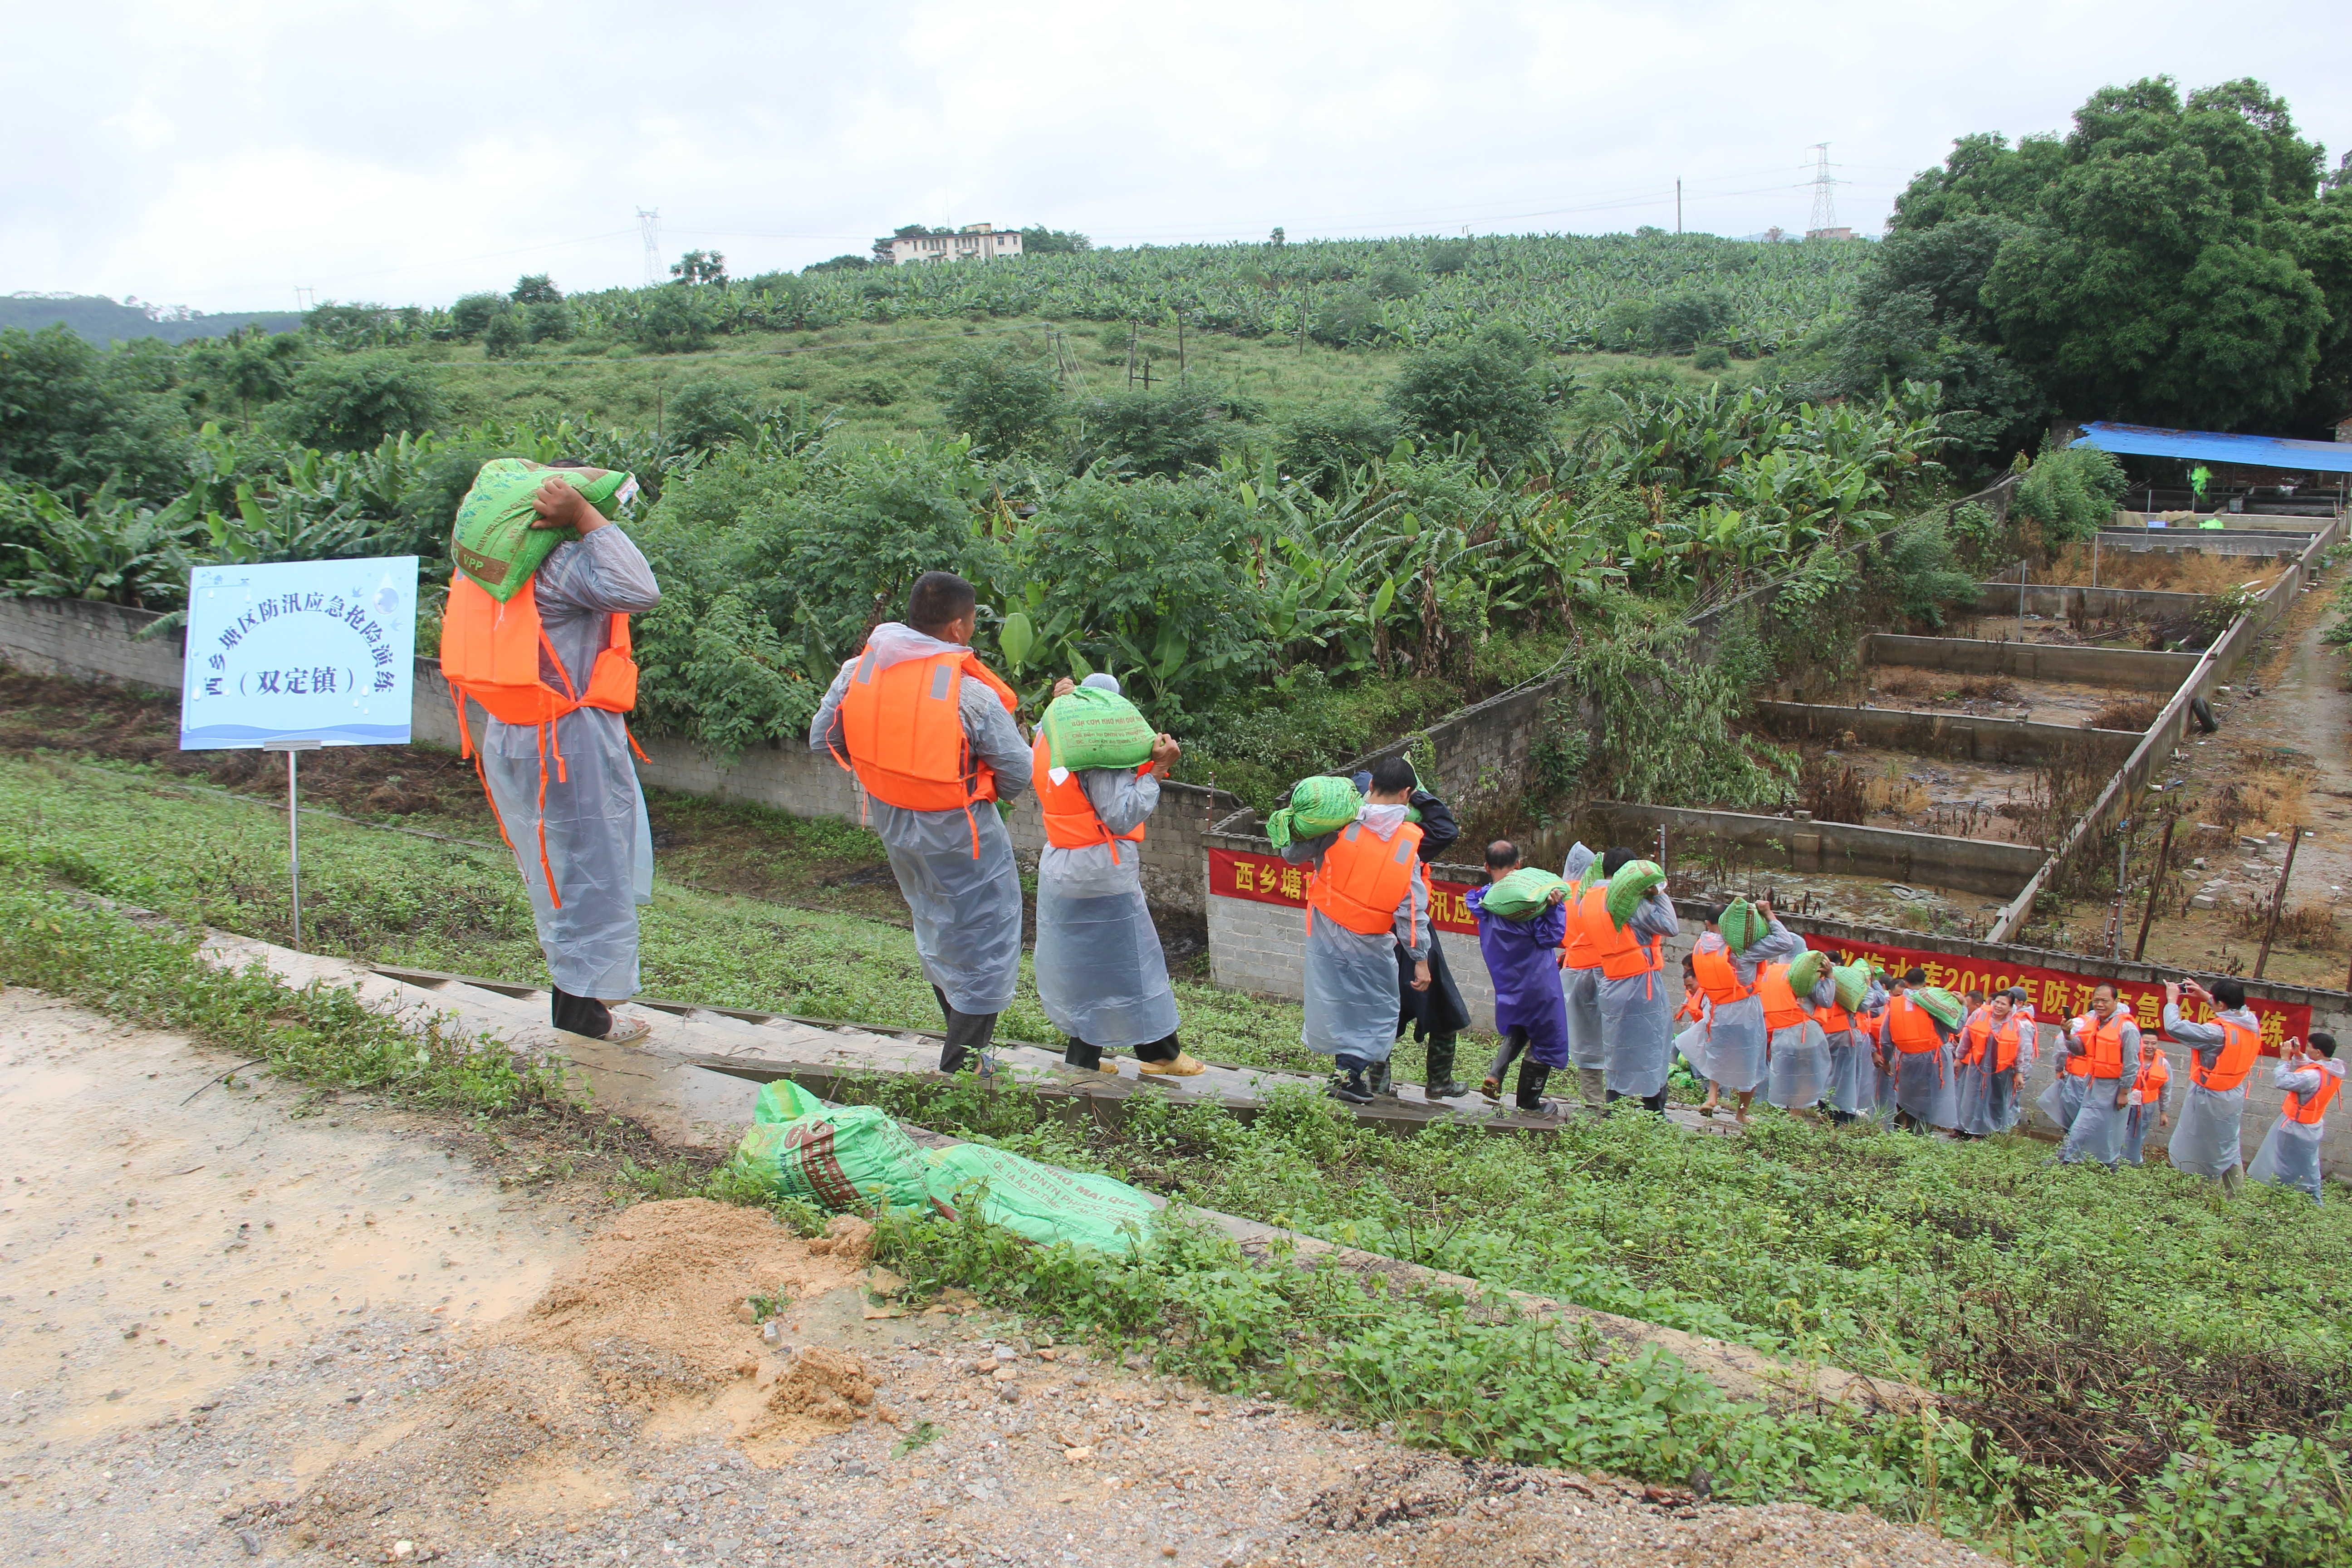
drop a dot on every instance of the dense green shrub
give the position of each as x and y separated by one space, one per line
1481 389
674 321
357 401
1006 403
1318 444
2072 493
713 411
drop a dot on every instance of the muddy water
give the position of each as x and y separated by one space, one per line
163 1234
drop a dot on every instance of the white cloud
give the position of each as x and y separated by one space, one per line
222 153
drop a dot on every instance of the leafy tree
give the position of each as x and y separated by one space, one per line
712 412
472 315
1323 440
1278 236
536 288
550 321
1449 255
1625 325
1345 318
1159 432
248 366
1712 356
1044 241
674 321
1007 402
74 417
504 336
843 263
1396 282
1686 317
2150 268
1479 388
350 404
700 267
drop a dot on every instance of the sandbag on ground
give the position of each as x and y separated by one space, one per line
843 1159
1043 1203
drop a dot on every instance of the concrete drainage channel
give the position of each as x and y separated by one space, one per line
691 1092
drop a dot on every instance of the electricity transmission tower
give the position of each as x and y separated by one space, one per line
1824 192
649 230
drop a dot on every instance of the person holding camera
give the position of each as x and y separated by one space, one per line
2310 1077
2221 1053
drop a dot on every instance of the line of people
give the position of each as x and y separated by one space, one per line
929 732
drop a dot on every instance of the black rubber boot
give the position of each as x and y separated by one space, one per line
1347 1084
1532 1078
1438 1081
967 1041
579 1014
1376 1078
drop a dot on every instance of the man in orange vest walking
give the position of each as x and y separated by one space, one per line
565 789
1367 899
1637 1005
2101 1064
1100 973
929 730
2310 1080
2221 1053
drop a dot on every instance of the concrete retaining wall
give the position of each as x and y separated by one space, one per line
2060 601
1979 865
1965 736
101 642
2134 669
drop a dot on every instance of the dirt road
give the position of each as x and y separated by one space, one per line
237 1332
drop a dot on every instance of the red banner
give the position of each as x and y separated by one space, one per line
2057 996
1271 879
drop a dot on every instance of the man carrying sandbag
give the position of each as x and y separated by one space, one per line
1366 897
545 651
1739 939
1522 914
1436 1013
1100 972
1627 917
929 730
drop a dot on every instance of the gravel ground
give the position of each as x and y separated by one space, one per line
609 1398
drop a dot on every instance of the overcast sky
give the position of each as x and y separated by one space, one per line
221 153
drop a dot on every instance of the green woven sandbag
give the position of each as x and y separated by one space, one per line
1318 806
493 540
784 1100
1522 895
854 1157
1088 727
1742 924
1852 984
1805 972
1634 881
1045 1204
1948 1009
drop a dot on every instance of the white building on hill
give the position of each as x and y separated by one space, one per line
972 242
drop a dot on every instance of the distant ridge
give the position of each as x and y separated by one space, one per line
102 321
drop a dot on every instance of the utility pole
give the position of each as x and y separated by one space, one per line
1180 348
649 231
1824 192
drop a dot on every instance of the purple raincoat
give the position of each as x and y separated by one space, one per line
1523 959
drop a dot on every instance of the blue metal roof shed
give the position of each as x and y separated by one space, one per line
2210 447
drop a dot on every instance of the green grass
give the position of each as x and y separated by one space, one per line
392 898
882 380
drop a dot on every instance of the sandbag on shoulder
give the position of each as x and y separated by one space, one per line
1852 984
1318 806
1805 972
1631 883
1742 925
1948 1009
1522 895
1088 727
493 542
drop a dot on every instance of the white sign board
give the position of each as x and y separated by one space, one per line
299 651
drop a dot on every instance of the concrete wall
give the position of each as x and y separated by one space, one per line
2135 669
1966 736
1980 865
101 642
2058 600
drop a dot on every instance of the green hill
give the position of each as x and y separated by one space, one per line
102 321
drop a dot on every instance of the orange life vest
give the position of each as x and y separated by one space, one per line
1833 1019
1782 1008
903 728
1362 881
2311 1110
1718 976
492 653
1693 1006
1621 954
2103 1052
2239 1047
2003 1037
1577 951
2155 1072
1911 1028
1070 819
